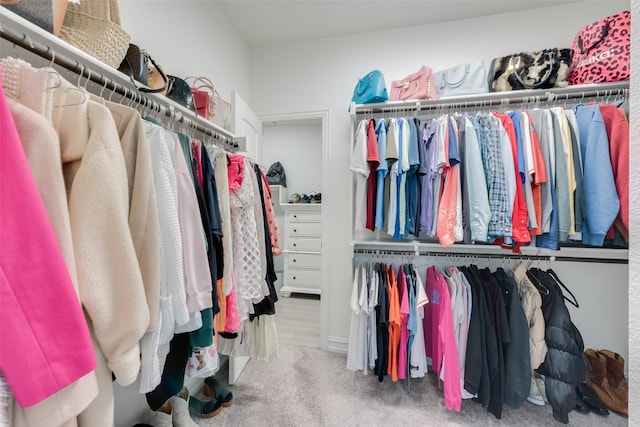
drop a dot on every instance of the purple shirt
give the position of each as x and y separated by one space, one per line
430 143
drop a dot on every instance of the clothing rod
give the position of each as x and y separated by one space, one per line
58 52
499 98
493 256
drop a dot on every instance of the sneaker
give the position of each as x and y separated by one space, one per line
316 197
541 387
535 396
305 199
295 198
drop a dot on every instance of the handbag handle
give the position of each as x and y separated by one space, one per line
406 85
549 55
361 90
467 69
162 74
206 83
219 100
605 32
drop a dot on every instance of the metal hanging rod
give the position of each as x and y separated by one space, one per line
502 99
28 36
568 253
404 252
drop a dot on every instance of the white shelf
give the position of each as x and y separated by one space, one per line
484 250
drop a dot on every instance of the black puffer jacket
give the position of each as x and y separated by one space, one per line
563 366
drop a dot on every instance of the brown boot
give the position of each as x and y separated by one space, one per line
615 375
599 383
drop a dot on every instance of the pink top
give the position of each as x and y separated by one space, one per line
235 170
404 332
618 133
443 341
38 356
447 208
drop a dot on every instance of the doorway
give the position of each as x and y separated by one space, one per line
299 141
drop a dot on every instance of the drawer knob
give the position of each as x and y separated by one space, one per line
295 231
295 244
294 260
295 216
294 277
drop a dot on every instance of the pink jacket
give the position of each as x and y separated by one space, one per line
38 356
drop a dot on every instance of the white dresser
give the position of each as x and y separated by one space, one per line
302 248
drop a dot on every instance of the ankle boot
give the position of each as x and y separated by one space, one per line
161 417
615 375
599 383
180 410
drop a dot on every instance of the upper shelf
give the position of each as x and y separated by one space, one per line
497 98
29 36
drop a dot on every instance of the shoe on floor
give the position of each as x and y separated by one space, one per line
534 394
214 388
205 409
180 410
543 391
597 380
615 375
160 419
588 396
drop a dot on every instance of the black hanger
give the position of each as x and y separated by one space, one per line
537 283
555 277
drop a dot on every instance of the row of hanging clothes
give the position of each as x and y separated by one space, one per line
129 250
537 176
496 337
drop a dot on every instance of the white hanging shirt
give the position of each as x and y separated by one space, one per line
360 167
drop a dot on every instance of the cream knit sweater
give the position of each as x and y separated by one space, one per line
109 278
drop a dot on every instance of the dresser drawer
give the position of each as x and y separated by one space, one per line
300 215
302 278
312 229
302 244
309 261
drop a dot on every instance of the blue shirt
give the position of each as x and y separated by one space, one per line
491 148
601 198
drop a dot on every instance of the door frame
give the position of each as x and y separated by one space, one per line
323 116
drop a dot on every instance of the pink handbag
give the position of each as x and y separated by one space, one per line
203 96
419 85
601 51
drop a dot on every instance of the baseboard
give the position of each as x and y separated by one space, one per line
337 345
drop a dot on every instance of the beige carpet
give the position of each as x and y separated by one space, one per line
310 387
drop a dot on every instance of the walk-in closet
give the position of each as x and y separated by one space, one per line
285 253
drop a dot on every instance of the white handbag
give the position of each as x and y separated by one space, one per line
463 79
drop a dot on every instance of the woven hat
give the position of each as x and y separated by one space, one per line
93 26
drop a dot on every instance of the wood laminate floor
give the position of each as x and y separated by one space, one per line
298 320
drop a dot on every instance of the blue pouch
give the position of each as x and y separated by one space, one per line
371 88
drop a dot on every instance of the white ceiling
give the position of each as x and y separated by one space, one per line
263 22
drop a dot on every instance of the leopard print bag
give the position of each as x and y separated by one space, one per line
601 51
543 69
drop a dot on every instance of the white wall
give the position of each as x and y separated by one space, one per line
190 38
321 74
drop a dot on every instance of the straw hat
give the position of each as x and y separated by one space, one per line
93 26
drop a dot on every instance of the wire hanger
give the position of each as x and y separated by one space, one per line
574 300
537 283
